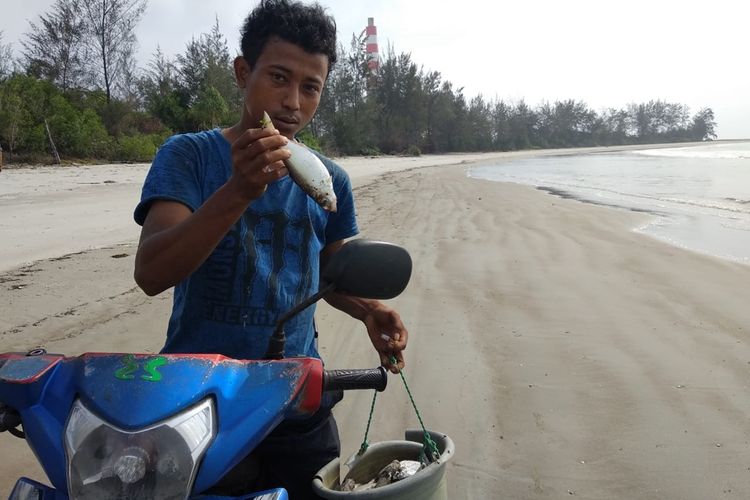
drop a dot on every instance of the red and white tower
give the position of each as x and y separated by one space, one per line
373 58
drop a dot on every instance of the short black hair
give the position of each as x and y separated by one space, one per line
307 26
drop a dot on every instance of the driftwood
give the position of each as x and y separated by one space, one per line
52 144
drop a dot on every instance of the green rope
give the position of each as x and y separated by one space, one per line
365 444
430 447
430 452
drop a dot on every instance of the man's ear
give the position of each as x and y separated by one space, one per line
241 71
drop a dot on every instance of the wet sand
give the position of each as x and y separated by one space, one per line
563 353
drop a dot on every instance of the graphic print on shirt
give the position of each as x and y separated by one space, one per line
262 259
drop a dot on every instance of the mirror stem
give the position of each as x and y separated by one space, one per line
278 339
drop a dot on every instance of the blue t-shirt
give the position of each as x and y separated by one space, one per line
266 263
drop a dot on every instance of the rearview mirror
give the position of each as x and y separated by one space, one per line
368 269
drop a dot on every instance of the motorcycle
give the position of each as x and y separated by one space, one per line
123 425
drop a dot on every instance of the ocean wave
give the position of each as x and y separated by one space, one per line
593 192
711 204
714 152
572 188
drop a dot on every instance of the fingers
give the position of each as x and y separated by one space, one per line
399 340
385 360
400 363
395 341
261 153
388 336
258 160
392 346
251 135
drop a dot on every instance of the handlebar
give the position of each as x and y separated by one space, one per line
347 380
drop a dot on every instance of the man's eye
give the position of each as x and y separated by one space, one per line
278 77
312 89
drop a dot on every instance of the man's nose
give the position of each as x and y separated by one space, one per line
291 99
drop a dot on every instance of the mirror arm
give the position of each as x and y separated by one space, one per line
278 338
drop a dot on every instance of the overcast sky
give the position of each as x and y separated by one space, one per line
605 53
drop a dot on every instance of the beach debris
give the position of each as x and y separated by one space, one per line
308 171
391 473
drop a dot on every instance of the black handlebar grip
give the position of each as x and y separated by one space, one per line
347 380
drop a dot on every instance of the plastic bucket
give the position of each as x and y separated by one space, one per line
427 484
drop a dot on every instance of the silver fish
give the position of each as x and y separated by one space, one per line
308 172
391 473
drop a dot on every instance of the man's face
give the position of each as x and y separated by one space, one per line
286 82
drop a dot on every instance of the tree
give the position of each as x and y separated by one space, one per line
639 118
206 64
523 122
479 118
12 115
704 126
501 126
110 34
210 108
77 133
128 85
6 58
615 128
159 89
431 88
219 66
398 91
447 118
344 115
24 105
53 48
572 124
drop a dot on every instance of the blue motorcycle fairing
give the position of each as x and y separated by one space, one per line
24 487
44 406
133 392
44 492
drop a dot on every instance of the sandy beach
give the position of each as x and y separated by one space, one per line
565 354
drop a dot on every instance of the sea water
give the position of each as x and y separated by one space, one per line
699 196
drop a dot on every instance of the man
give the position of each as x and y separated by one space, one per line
241 243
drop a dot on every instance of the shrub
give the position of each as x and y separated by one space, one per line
370 151
309 140
135 148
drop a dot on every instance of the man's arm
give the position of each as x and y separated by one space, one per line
384 327
175 241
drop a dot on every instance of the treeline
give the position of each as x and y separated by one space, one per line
76 92
402 108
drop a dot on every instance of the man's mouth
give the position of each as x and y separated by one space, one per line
286 120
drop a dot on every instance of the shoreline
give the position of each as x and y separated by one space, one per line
98 200
96 163
698 200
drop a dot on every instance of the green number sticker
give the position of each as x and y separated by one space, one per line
130 366
151 366
128 369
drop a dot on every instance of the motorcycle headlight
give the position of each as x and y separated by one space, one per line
161 461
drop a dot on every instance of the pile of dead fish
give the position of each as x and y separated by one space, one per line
391 473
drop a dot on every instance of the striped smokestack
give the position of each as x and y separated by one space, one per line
373 58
